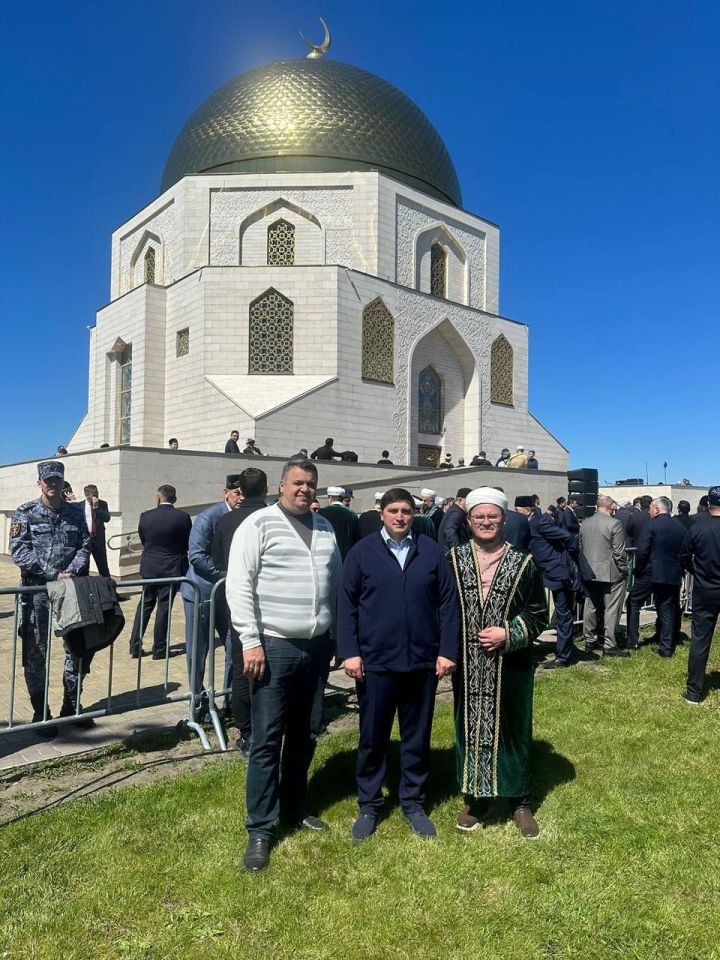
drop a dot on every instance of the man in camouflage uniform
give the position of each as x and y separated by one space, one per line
49 540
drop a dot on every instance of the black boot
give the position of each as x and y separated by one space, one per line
68 710
39 711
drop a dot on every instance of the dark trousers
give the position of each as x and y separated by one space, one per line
637 598
36 616
667 607
281 744
162 595
564 599
381 695
239 687
705 612
99 555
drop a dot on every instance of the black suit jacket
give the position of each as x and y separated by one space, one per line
102 516
657 555
225 530
164 533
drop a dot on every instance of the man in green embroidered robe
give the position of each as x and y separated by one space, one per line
503 609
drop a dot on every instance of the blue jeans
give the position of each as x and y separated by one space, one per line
281 744
203 645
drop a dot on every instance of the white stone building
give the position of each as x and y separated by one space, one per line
308 271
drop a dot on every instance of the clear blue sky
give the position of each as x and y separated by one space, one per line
588 131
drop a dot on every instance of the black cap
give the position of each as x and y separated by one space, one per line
50 468
714 497
232 481
524 502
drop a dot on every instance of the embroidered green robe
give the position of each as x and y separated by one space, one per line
494 692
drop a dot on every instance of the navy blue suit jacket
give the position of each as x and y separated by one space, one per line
396 618
454 528
550 547
165 534
657 550
516 530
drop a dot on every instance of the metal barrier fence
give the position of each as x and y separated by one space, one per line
190 694
649 605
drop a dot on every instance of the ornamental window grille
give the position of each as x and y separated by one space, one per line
125 392
438 270
281 244
150 265
378 342
501 372
429 401
271 334
182 342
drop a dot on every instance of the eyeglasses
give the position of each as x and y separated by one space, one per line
491 521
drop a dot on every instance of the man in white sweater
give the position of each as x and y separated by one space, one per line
281 588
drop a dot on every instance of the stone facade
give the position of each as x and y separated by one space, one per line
357 237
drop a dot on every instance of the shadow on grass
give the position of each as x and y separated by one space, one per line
334 781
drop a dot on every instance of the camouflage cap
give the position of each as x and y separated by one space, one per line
232 481
51 468
714 496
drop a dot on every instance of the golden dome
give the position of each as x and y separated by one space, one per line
313 115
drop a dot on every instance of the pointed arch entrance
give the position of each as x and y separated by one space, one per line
445 397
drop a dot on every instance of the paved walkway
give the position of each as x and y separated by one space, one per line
140 688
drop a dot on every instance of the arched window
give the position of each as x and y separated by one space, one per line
378 342
281 244
271 334
501 372
125 394
438 270
429 401
150 265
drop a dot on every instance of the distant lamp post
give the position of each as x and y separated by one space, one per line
665 472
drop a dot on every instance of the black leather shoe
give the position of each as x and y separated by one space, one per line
68 710
553 665
616 652
257 854
158 655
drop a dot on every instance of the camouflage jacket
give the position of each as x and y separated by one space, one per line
45 542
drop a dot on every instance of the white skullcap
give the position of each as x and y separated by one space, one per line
378 494
426 492
520 449
335 492
486 495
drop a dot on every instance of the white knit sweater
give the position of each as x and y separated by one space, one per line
275 585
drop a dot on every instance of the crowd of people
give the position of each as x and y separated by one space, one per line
520 460
406 593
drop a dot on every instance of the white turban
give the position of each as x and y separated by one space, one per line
425 492
335 492
378 495
486 495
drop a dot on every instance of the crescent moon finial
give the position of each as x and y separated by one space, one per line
318 50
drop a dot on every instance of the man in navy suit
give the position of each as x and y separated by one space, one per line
657 558
164 533
398 633
553 549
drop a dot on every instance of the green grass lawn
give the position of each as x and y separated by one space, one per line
627 866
